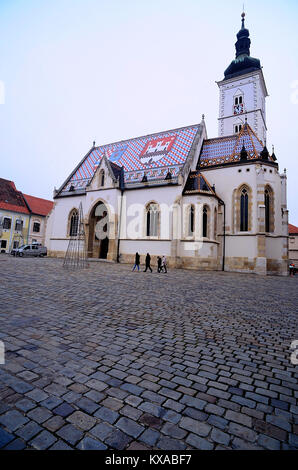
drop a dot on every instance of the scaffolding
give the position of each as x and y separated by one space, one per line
76 254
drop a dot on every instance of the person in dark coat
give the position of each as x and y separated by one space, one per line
158 264
137 262
147 263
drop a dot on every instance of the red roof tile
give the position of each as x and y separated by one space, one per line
39 206
293 230
11 199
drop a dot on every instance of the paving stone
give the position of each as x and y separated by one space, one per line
167 443
5 438
198 442
25 404
17 444
63 410
243 432
81 420
238 418
130 427
37 395
51 402
118 440
173 430
192 402
12 420
29 430
43 441
218 421
106 414
39 414
91 444
86 405
102 431
220 437
60 445
70 434
196 427
268 442
150 437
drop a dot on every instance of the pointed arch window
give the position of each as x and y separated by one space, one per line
205 221
244 210
191 223
74 222
269 209
215 223
152 220
102 178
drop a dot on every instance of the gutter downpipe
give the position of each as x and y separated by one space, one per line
224 235
120 218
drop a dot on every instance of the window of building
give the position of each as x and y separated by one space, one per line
244 210
152 220
191 224
102 178
3 243
6 223
205 221
15 244
215 223
36 227
74 222
237 128
269 209
19 225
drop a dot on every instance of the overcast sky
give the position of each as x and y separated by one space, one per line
75 71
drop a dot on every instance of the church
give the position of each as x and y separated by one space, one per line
205 203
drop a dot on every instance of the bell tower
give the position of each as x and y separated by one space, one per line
242 92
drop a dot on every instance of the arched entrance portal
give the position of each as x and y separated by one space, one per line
98 240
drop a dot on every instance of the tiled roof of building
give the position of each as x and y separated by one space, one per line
227 149
293 230
197 183
154 155
38 205
10 198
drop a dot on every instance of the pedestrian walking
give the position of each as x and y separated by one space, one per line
164 264
147 263
137 262
292 269
158 264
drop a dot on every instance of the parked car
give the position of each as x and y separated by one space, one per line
35 249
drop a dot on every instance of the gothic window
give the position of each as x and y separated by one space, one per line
102 178
205 221
191 224
152 220
269 209
237 128
236 100
74 222
244 210
215 223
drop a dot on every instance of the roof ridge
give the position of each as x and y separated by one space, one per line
147 135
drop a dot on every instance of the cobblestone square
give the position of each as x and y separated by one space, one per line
106 358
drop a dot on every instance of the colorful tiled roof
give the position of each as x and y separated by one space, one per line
38 205
227 149
153 155
11 199
293 229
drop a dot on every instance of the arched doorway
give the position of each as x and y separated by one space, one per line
98 240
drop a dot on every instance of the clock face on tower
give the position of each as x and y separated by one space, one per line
238 108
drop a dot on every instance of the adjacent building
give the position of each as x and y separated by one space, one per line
206 203
293 244
22 217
